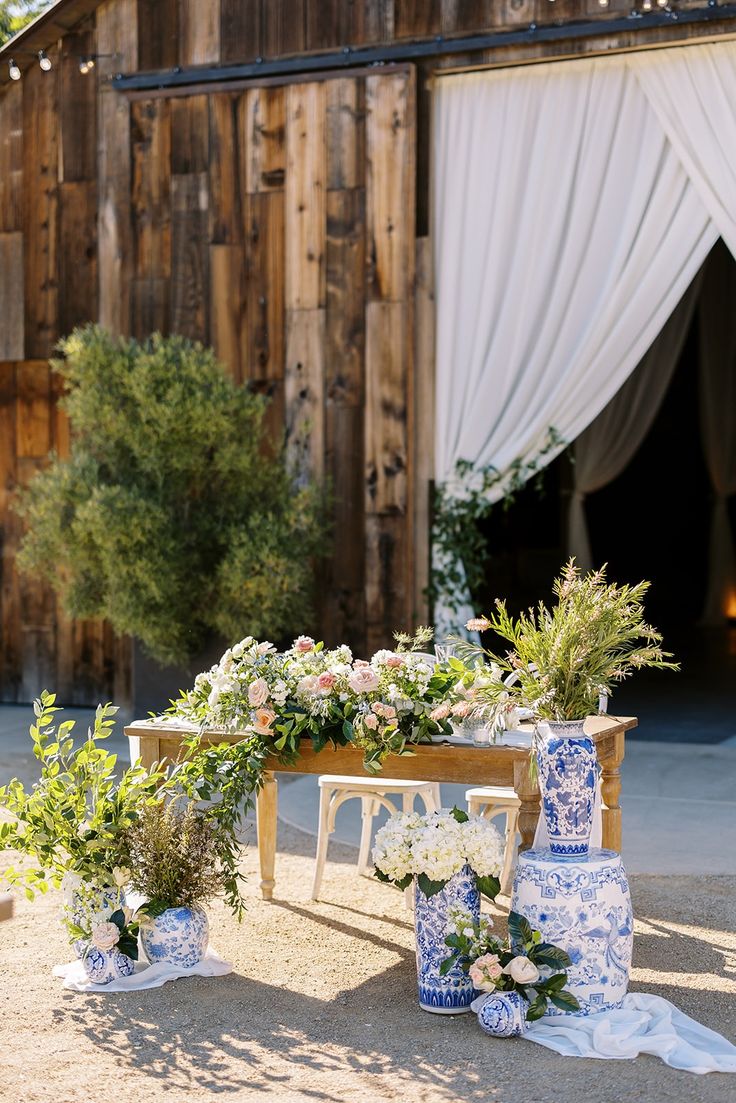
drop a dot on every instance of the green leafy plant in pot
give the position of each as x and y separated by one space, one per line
173 860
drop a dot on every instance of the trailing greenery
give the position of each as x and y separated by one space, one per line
172 856
459 548
565 657
16 14
169 519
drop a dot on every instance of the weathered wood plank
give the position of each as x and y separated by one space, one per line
345 316
77 254
390 129
10 651
343 588
40 194
12 324
305 196
199 31
190 257
226 219
345 128
33 411
415 18
386 411
284 27
423 424
11 159
158 34
150 306
117 36
304 391
386 584
190 135
227 306
262 126
263 353
240 30
77 110
151 188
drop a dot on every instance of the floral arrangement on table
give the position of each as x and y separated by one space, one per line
434 847
520 962
381 705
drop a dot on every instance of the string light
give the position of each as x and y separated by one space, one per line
13 70
86 65
44 61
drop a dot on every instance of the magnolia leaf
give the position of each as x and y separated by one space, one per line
536 1009
565 1001
118 918
447 965
430 888
347 730
520 930
489 886
544 953
459 815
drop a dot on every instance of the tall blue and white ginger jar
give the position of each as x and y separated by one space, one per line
178 936
584 907
453 993
568 777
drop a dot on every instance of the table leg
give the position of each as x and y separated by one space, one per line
528 793
611 792
145 748
266 816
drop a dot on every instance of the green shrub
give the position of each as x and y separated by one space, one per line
169 519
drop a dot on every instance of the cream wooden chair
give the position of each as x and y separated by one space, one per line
374 793
491 801
6 906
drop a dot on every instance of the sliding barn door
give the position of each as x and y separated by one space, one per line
277 223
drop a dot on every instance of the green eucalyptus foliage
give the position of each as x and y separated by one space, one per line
169 519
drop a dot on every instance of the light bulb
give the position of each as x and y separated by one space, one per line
663 3
44 61
603 3
86 64
646 5
13 70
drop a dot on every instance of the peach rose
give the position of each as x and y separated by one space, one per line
371 722
363 680
326 680
105 936
485 971
360 664
395 661
304 644
264 721
258 693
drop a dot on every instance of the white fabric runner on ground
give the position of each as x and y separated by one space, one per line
145 975
645 1024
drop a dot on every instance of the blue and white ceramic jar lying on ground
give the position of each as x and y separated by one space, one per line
105 966
453 993
501 1014
568 777
178 936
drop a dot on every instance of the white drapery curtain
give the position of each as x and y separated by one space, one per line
573 205
717 311
610 442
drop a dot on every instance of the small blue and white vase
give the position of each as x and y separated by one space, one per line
178 936
453 993
105 966
502 1014
568 776
83 904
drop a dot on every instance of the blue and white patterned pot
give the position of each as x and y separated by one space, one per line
585 908
502 1014
105 966
568 776
87 903
178 936
453 993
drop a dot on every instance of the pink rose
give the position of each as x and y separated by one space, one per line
263 721
371 722
363 680
395 661
105 936
326 679
359 664
485 971
258 692
304 644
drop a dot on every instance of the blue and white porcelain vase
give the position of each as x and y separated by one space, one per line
453 993
502 1014
584 907
178 936
105 966
84 904
568 776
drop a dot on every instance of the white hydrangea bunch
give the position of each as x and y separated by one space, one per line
436 846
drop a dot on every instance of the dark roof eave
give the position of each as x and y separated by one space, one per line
51 25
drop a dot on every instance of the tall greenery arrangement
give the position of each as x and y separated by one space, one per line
169 519
564 657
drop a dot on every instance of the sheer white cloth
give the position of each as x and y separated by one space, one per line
718 420
145 975
645 1024
609 443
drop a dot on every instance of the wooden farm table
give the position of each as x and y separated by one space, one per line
155 740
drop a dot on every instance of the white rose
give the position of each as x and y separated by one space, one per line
214 697
105 936
522 970
121 876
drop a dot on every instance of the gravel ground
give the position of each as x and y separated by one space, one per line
321 1007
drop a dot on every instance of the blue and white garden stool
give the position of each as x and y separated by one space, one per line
374 793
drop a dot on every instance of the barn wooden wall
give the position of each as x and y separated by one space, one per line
286 224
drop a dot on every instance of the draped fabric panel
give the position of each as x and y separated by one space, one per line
718 425
610 442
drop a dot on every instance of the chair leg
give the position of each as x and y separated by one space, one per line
368 811
436 796
474 807
512 819
323 835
